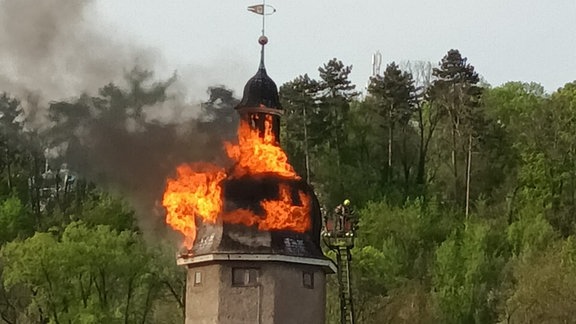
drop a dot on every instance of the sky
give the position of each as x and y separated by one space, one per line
505 40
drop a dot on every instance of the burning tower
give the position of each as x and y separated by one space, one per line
253 230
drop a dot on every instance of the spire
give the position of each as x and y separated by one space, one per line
263 40
260 92
263 10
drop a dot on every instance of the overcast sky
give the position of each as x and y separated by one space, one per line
506 40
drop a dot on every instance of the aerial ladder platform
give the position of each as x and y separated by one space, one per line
338 235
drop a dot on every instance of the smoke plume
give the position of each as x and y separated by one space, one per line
97 107
51 51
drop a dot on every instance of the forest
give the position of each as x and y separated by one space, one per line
465 192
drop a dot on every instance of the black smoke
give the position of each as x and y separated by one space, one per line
98 108
131 139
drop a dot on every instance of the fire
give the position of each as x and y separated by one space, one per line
197 189
281 214
195 192
255 154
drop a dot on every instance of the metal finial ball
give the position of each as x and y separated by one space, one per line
263 40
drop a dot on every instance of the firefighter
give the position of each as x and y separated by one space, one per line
345 217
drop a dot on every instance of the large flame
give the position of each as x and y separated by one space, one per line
197 189
258 153
280 214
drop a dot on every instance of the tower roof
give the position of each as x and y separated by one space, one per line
247 193
260 91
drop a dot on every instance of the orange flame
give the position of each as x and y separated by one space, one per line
282 214
197 191
255 154
279 214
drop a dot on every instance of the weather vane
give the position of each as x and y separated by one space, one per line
263 10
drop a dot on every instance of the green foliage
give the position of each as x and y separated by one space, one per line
15 219
297 98
395 250
335 92
318 114
545 286
394 94
466 196
415 228
455 96
88 275
108 210
508 146
465 275
531 233
392 98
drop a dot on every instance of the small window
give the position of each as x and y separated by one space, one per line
245 277
308 279
197 278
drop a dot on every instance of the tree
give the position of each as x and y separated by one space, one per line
557 143
335 92
511 109
105 209
394 96
541 147
15 220
319 111
395 249
11 143
297 98
87 275
427 120
466 272
456 94
218 114
328 122
546 285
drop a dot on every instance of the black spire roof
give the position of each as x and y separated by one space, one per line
260 90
